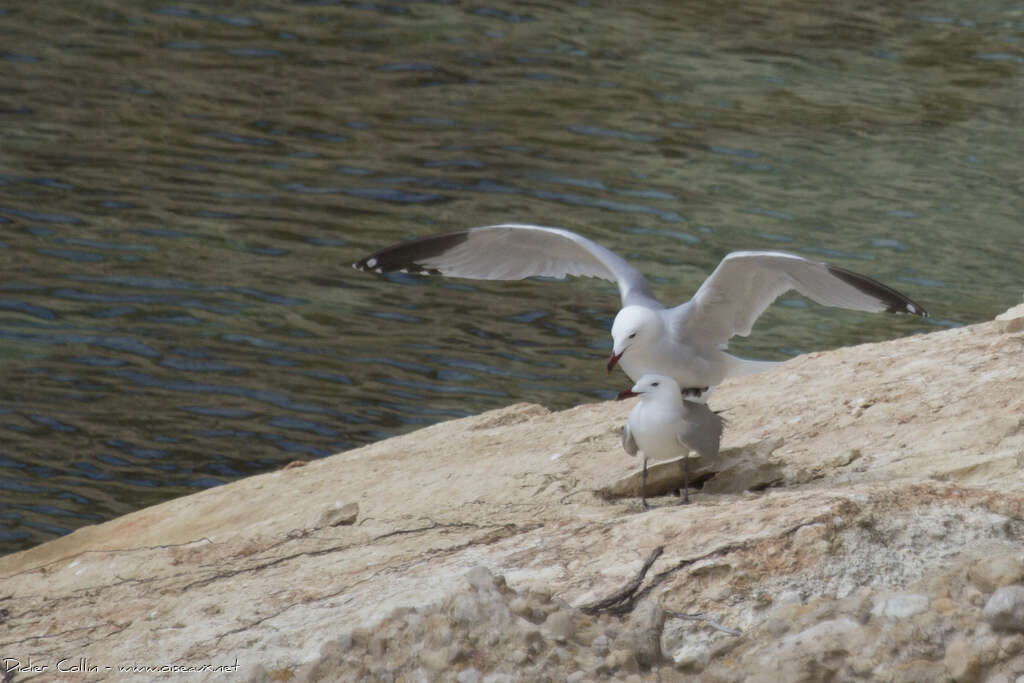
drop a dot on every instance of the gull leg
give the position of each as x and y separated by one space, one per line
686 479
643 486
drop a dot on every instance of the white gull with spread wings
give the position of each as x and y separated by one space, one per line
685 342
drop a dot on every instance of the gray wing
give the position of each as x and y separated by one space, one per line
701 429
628 442
745 283
512 252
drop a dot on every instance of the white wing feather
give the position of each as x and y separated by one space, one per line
513 251
745 283
628 442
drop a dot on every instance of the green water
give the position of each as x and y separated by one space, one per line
184 185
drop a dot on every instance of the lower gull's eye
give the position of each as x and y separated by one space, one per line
632 335
655 384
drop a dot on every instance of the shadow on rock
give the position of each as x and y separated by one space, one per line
750 467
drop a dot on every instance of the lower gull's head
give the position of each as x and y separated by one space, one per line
634 328
652 386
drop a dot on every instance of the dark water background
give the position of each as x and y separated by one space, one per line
184 185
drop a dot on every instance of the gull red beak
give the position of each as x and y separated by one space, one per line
613 360
626 394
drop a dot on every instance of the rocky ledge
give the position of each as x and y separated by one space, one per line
865 521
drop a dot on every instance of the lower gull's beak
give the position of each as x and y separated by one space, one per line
626 394
613 360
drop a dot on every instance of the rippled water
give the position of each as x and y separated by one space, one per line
184 185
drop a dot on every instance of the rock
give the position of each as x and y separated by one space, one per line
818 652
1012 320
499 678
751 467
642 634
437 659
901 606
255 673
1013 313
692 658
339 515
961 661
1005 609
482 579
1012 644
995 572
561 625
1000 677
662 477
867 505
747 468
621 660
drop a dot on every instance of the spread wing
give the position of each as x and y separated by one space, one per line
628 442
745 283
701 429
512 252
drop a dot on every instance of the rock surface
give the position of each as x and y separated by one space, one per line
864 522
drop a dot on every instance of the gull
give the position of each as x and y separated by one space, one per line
663 426
686 342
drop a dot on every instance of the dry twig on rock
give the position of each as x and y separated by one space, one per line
623 600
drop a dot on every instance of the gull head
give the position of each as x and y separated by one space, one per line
652 386
634 327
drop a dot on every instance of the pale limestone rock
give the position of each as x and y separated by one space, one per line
747 468
561 625
642 633
339 514
995 572
961 661
886 476
1012 314
1005 609
692 659
901 606
815 653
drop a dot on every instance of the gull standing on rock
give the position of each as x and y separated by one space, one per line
663 426
686 342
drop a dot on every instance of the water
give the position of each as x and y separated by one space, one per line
184 185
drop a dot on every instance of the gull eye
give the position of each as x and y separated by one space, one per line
632 335
654 384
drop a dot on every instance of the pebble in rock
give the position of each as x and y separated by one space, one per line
642 634
1005 609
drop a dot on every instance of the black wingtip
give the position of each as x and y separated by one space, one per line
895 302
408 257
